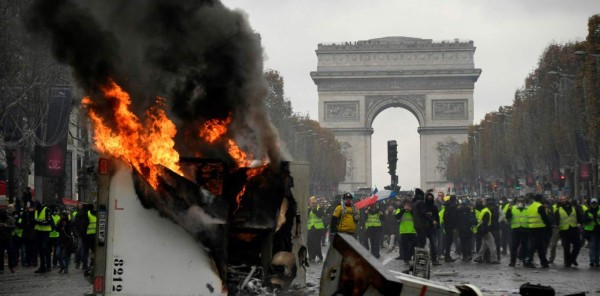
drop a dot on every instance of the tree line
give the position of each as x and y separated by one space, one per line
549 137
303 139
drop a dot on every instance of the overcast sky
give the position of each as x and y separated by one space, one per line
510 36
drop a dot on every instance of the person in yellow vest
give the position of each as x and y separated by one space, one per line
43 227
408 233
316 228
569 218
90 237
516 216
374 229
592 229
487 238
345 216
54 236
584 205
477 209
537 222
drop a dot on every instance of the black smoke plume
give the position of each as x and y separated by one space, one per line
202 57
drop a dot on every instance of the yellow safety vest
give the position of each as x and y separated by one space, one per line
19 230
519 218
55 233
314 221
478 216
441 214
534 220
373 220
566 220
41 218
592 224
91 229
480 219
407 224
505 208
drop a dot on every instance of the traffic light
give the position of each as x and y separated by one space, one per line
561 183
517 184
392 148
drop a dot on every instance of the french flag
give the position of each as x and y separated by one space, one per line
377 196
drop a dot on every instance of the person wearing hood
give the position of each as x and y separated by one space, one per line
569 218
466 220
345 216
7 225
495 210
426 220
449 225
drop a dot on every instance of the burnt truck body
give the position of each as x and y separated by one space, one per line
221 231
350 269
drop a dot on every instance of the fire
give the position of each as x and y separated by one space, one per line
214 129
143 146
250 173
242 158
149 144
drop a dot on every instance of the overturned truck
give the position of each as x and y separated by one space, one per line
223 231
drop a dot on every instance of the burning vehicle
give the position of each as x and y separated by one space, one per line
174 91
216 246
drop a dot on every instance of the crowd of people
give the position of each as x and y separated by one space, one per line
481 230
33 234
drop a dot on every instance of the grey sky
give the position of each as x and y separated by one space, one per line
510 36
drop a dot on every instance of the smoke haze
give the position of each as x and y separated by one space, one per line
203 58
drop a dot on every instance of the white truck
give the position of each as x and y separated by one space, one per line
138 252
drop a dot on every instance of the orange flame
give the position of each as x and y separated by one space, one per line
144 147
250 173
214 129
242 158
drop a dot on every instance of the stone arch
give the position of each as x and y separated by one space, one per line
374 105
433 80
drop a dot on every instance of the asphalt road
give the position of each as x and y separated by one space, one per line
499 279
491 279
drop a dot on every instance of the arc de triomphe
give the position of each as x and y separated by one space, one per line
432 80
